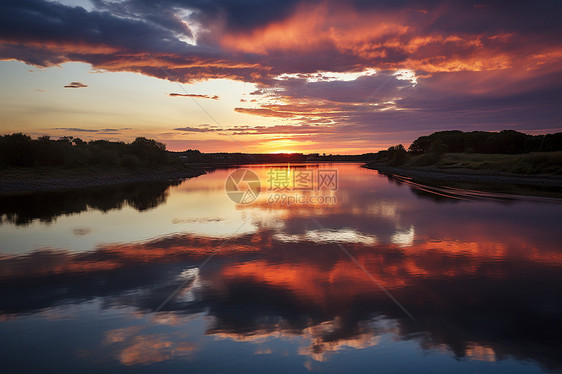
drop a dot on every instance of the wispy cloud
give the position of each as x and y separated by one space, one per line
194 129
265 112
198 96
76 85
100 131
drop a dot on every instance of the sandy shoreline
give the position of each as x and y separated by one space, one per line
14 181
469 176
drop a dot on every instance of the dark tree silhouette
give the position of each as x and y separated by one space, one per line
19 150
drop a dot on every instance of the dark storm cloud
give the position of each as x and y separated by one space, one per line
36 21
239 15
45 33
464 15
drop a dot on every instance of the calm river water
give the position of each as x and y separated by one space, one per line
333 268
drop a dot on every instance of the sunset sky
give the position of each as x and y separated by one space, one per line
278 76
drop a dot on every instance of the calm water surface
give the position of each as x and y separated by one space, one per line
175 277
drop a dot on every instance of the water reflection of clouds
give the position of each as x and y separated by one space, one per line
132 346
327 236
404 238
315 341
262 288
462 267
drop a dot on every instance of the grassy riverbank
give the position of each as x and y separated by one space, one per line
528 163
49 178
459 174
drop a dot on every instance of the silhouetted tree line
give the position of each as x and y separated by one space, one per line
395 155
503 142
195 156
19 150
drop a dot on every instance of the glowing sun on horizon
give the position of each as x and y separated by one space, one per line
283 146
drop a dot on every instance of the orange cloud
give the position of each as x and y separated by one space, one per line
315 27
401 39
265 112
